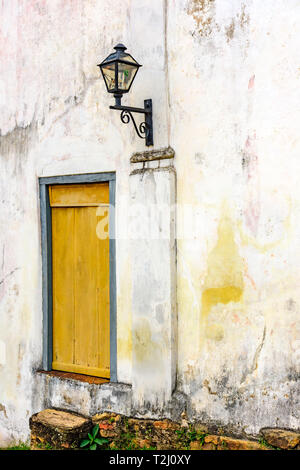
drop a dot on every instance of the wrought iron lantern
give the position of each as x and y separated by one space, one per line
119 70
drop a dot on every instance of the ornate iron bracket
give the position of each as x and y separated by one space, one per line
145 129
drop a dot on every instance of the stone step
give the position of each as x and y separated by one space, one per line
57 429
282 438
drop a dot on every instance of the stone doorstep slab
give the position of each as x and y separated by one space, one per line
214 442
282 438
60 420
59 429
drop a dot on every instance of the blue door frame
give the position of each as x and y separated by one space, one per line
46 243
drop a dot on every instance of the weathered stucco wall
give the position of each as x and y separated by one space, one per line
233 87
224 77
55 119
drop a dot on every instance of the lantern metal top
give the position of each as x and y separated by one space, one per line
120 55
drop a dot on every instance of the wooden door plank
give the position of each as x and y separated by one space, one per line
86 318
63 285
103 289
72 195
94 371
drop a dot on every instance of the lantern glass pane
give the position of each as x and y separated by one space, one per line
128 58
109 75
126 74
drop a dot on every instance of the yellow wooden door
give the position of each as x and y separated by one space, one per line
80 263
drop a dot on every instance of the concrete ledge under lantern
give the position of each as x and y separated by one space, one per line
150 155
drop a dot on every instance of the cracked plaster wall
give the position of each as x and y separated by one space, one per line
234 77
55 119
224 79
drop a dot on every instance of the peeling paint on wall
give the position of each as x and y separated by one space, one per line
230 30
202 11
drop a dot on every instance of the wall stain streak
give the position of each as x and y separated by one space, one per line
3 409
224 295
18 141
230 30
8 275
255 359
251 171
224 281
244 18
202 12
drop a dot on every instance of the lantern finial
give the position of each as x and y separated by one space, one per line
120 47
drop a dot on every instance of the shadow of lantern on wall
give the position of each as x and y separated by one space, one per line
119 70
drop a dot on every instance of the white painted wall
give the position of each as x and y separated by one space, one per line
224 79
234 81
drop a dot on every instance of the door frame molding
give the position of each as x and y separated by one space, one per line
46 247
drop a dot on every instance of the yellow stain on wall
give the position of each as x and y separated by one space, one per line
247 239
124 348
224 280
223 295
124 340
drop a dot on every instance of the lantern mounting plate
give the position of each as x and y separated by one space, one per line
145 129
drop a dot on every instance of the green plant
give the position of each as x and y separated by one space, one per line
186 436
20 446
180 433
264 443
127 441
191 435
224 445
44 446
93 440
126 424
200 436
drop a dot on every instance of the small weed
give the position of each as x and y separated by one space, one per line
44 446
185 437
224 445
93 440
191 435
126 422
201 437
148 448
264 443
20 446
125 442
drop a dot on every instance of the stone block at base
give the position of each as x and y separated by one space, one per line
56 429
282 438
